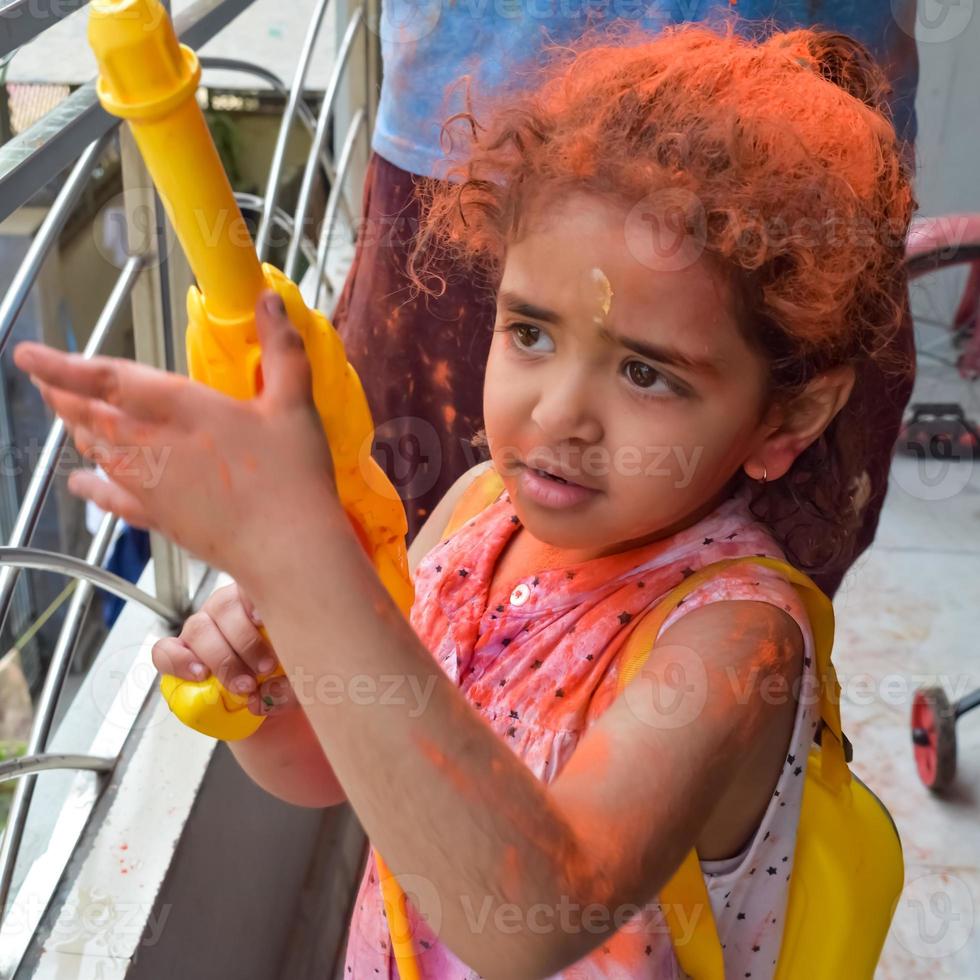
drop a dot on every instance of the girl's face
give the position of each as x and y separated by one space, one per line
633 381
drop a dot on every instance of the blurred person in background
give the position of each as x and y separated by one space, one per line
421 359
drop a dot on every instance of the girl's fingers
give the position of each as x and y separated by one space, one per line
249 607
273 697
100 418
111 497
137 389
172 656
202 635
241 634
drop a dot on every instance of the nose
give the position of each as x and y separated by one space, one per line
566 412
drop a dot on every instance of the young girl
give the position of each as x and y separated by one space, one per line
696 242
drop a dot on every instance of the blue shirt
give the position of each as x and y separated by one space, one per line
427 45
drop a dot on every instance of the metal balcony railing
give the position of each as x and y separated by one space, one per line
73 138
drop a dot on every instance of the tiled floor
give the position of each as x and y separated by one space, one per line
908 615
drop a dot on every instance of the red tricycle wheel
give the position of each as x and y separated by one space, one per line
934 737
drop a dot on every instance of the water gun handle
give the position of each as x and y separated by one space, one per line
147 78
216 353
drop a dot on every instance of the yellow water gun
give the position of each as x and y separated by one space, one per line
149 79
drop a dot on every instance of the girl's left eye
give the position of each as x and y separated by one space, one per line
515 330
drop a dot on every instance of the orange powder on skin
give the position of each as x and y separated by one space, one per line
593 755
573 868
460 781
206 441
511 878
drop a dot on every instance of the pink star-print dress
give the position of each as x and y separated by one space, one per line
543 666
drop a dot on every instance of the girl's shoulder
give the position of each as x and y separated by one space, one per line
458 504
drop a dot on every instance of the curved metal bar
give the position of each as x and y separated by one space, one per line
319 137
248 68
54 681
45 761
254 203
54 221
51 561
32 158
343 165
40 483
305 116
295 92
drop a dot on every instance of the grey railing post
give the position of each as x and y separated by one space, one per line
159 304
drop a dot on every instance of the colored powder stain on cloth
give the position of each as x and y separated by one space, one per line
441 374
542 665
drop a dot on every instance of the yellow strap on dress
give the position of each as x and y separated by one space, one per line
700 955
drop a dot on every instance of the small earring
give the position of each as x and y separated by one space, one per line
765 473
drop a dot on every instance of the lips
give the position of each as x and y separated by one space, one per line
561 474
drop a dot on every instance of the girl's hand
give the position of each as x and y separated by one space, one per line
223 638
221 477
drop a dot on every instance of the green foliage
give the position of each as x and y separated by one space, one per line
228 141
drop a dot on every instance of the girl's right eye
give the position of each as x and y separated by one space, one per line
517 333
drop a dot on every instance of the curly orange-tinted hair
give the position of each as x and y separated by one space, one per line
796 184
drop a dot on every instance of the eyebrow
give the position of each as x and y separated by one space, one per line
655 352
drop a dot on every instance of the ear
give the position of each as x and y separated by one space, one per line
801 422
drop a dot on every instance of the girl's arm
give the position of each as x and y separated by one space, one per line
444 800
284 756
286 759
